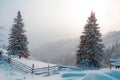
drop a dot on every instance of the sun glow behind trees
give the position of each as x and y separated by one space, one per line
78 10
60 19
85 6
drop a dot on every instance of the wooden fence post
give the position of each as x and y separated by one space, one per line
48 71
32 68
110 65
59 68
9 60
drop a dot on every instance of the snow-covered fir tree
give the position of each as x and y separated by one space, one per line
90 53
18 40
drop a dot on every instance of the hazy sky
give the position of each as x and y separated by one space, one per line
52 20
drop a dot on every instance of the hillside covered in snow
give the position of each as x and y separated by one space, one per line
14 73
64 51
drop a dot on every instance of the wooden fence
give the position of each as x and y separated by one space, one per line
114 63
31 69
64 67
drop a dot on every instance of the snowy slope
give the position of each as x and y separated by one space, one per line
37 64
64 51
9 72
60 52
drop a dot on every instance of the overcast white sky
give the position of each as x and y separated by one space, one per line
52 20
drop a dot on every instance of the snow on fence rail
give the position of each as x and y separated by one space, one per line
20 65
45 69
115 62
63 67
32 69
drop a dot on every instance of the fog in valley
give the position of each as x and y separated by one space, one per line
48 21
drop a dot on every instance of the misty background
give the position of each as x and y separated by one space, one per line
49 21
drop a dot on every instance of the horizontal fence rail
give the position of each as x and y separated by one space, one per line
45 69
20 65
31 69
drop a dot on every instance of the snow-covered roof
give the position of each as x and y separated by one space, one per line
116 63
114 60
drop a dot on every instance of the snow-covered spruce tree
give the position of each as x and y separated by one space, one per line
90 53
18 40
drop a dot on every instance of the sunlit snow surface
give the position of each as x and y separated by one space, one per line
9 72
37 64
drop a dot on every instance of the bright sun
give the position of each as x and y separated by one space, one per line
84 7
79 10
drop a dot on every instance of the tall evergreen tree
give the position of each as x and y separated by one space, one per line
18 40
90 51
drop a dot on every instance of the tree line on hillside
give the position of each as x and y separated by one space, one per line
112 51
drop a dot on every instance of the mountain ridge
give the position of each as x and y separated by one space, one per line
64 51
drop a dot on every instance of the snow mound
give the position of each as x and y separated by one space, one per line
72 75
114 60
115 74
9 72
97 76
3 50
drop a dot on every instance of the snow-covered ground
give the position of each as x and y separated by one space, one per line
37 64
9 72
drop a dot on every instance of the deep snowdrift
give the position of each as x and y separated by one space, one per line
97 76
